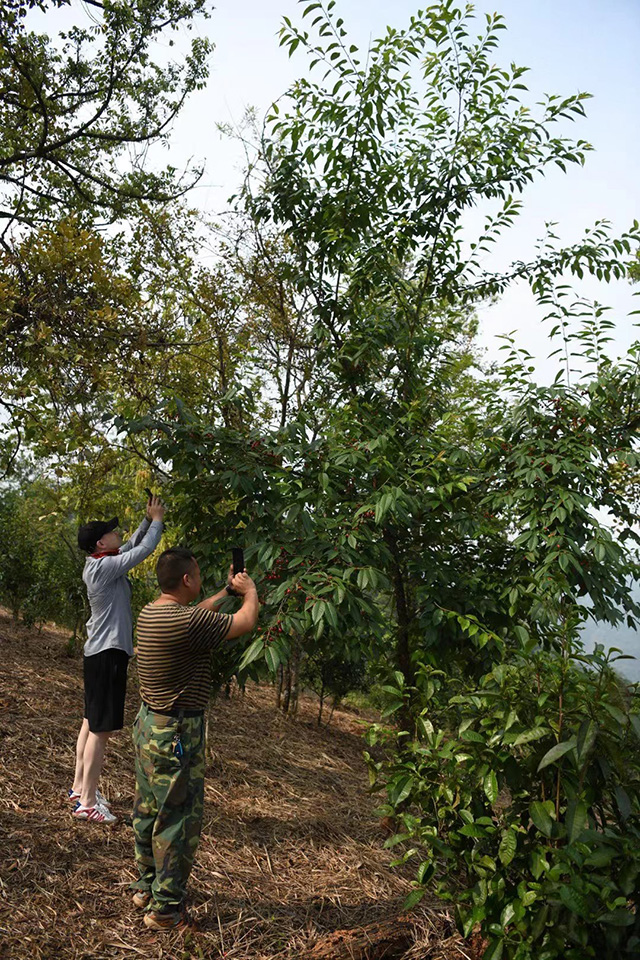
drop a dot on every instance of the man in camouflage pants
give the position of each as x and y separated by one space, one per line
175 644
167 812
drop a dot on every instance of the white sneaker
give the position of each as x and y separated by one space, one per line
100 798
97 814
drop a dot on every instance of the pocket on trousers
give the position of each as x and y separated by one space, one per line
159 750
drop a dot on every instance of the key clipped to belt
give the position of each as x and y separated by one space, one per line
178 749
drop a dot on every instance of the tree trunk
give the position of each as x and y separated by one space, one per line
321 702
403 616
295 680
377 941
279 687
286 697
333 706
403 651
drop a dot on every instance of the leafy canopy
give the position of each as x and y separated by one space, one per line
74 108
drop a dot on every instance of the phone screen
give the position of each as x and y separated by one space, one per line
238 560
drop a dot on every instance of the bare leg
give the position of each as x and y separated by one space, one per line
93 758
78 777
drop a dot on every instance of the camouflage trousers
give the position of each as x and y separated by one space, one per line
167 808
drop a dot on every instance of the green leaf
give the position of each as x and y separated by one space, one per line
556 752
540 922
467 919
521 634
539 862
623 801
541 818
536 733
490 785
494 950
576 819
586 738
391 707
425 728
272 656
508 914
617 918
331 614
317 611
473 830
252 653
507 848
414 897
425 871
400 790
574 901
472 737
616 713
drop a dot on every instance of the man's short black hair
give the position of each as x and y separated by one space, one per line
172 566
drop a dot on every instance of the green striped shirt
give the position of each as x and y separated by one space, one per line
175 644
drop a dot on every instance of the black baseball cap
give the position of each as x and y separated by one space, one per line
90 533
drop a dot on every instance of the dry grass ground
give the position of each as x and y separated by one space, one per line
290 847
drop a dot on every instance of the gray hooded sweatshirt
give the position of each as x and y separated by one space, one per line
109 591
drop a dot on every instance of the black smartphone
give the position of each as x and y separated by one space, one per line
148 492
238 560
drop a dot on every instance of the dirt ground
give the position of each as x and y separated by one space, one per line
290 851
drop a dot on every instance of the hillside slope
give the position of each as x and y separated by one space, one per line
290 849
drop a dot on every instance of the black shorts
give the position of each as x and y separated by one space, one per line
105 687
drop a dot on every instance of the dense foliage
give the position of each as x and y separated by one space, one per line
519 794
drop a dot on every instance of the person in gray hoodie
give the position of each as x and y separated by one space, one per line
108 648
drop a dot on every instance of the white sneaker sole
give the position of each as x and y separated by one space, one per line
94 819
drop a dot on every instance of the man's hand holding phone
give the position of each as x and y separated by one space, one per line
237 567
155 506
242 584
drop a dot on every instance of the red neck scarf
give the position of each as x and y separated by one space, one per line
106 553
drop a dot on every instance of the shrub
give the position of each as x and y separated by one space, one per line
522 802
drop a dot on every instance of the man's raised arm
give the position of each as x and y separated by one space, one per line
247 616
138 534
112 567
